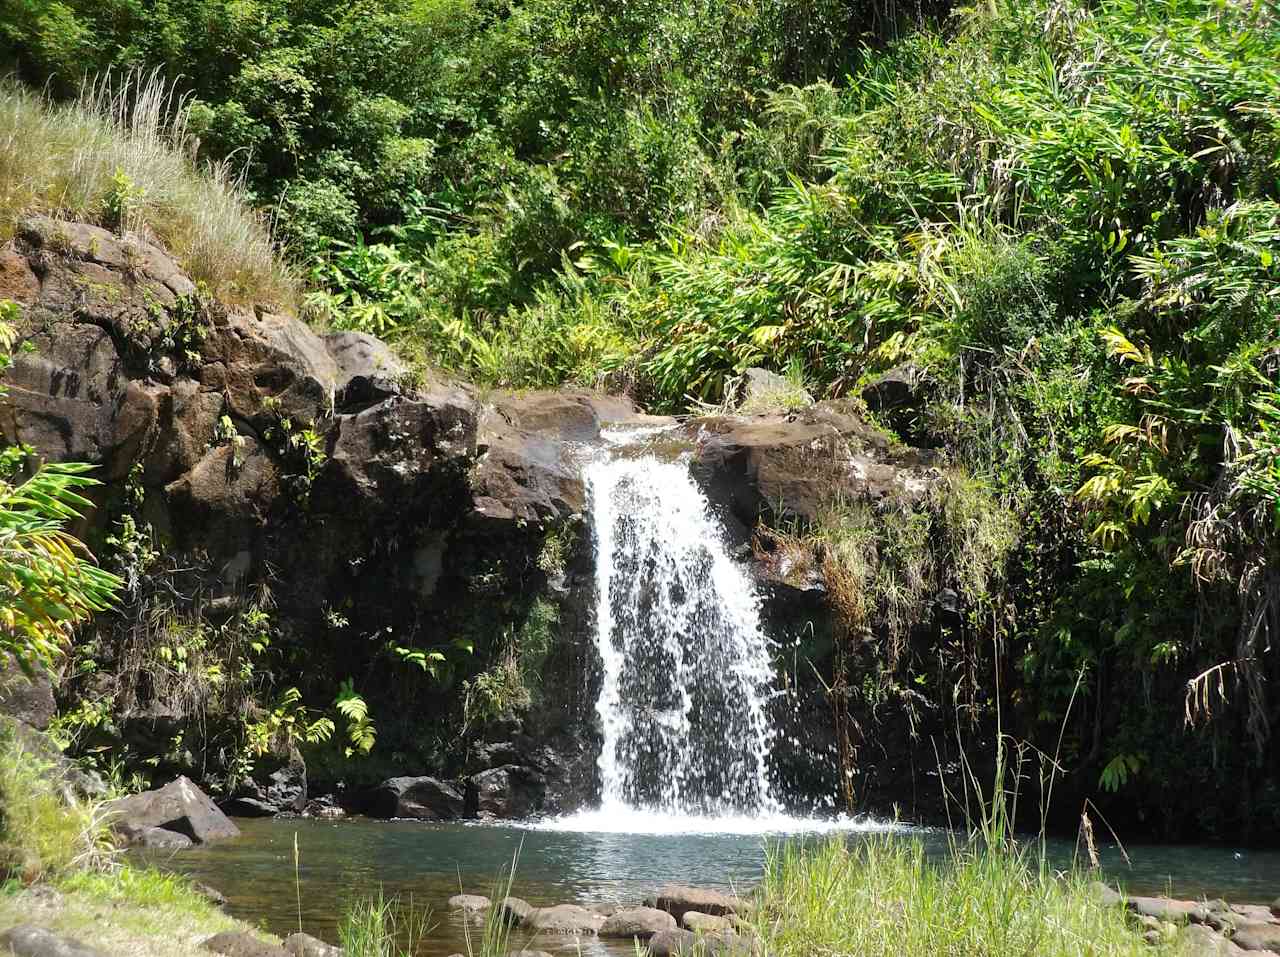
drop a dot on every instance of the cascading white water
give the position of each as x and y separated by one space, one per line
687 671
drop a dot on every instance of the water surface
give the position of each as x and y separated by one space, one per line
587 860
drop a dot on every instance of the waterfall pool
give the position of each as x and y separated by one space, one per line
582 861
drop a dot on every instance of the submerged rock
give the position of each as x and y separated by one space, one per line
563 919
639 923
469 903
27 940
178 806
515 909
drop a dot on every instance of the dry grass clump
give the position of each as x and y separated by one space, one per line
121 156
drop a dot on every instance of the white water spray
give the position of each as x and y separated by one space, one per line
687 670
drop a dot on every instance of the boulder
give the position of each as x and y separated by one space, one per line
563 919
765 391
1256 935
27 940
469 903
178 806
669 943
640 923
516 909
420 798
701 923
304 945
232 943
1196 940
510 791
605 910
676 899
522 477
1164 908
156 838
794 464
26 697
276 785
211 894
368 371
1105 895
901 387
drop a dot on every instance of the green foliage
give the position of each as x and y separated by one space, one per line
45 831
361 731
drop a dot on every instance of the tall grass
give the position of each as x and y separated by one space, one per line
885 897
121 156
45 831
495 935
380 926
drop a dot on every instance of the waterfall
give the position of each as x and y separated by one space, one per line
687 671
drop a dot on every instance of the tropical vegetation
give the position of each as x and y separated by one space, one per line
1064 217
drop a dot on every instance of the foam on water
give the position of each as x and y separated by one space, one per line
628 820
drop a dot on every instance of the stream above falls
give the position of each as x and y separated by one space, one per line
341 861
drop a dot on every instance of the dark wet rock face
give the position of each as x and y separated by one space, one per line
510 791
25 697
268 455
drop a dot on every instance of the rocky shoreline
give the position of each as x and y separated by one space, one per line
678 919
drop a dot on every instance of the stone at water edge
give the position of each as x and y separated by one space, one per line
639 923
1275 907
27 940
158 838
1199 941
304 945
1258 936
469 903
699 922
675 899
178 806
1164 908
1105 895
605 910
563 919
421 798
669 943
233 943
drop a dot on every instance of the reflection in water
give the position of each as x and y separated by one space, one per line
430 862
